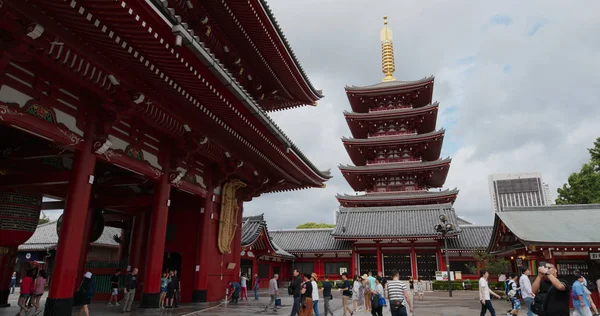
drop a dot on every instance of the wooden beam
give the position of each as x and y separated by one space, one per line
38 179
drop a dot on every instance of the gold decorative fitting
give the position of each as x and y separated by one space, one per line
228 221
387 52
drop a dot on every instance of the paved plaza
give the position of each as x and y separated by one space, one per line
435 303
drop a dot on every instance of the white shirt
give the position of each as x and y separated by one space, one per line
243 281
315 292
525 285
483 286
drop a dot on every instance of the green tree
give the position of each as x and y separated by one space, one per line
314 225
493 264
583 187
43 219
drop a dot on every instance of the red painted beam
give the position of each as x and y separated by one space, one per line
105 202
46 178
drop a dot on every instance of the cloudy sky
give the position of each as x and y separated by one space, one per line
517 83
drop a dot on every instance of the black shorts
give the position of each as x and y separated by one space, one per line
170 293
24 295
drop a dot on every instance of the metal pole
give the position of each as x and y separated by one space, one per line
448 266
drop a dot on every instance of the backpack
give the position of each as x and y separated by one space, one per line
538 306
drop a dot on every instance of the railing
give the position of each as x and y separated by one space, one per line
392 160
392 133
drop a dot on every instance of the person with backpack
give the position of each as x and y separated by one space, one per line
513 294
552 294
346 294
85 294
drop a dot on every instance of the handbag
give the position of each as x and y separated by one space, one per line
382 301
375 300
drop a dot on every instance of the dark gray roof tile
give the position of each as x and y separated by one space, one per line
392 221
398 196
472 237
309 240
45 237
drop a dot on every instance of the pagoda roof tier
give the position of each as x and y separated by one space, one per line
419 93
359 123
430 174
398 198
396 222
430 144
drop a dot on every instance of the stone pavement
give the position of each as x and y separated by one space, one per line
435 304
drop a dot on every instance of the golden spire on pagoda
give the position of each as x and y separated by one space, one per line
387 52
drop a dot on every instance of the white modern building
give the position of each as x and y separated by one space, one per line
547 194
518 189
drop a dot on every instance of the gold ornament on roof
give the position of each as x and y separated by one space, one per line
387 52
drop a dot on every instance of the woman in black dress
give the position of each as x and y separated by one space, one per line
85 293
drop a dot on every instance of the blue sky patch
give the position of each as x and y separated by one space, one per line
535 28
501 19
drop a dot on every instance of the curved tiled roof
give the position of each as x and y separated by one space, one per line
392 113
45 237
309 240
395 166
390 84
392 139
252 226
472 237
397 195
392 221
462 221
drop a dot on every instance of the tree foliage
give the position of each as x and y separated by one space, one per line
314 225
583 187
494 265
43 219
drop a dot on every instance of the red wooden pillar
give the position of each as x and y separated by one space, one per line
62 287
85 246
441 263
413 260
156 238
202 253
353 263
379 258
319 266
139 238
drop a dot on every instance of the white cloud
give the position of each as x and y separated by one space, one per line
516 102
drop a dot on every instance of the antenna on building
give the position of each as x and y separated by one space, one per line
387 52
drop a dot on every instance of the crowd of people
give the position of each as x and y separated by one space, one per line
548 295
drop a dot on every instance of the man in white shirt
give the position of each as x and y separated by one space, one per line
484 294
525 285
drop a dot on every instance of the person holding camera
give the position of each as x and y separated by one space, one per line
552 293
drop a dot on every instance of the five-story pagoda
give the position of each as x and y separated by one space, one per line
396 154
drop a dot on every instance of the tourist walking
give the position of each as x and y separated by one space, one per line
256 287
130 285
411 286
378 293
581 304
40 287
484 294
513 294
273 291
358 295
85 294
588 292
525 285
420 289
397 295
307 291
235 291
244 285
367 284
555 290
164 282
114 285
315 293
13 282
177 296
327 297
346 294
26 289
171 289
296 288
